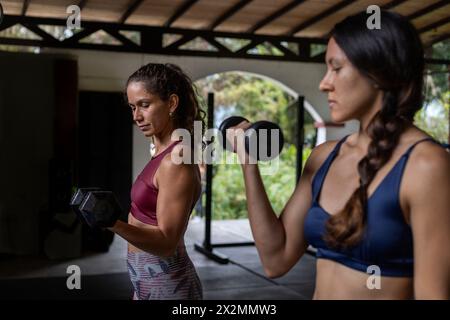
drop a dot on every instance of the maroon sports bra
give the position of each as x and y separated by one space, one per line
144 193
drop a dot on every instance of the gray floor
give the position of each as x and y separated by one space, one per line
104 276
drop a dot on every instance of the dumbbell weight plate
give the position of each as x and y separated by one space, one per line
77 199
79 195
272 151
226 124
101 208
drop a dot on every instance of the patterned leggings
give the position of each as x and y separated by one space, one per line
157 278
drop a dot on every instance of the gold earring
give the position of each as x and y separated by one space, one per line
170 114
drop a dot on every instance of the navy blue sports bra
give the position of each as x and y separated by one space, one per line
387 241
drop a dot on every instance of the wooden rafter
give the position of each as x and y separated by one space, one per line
131 8
82 4
291 5
428 9
238 6
435 25
392 4
179 12
320 16
25 5
443 37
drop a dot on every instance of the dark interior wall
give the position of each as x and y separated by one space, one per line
54 138
105 144
26 139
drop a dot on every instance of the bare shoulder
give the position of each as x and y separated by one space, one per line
426 155
429 157
427 172
173 168
318 156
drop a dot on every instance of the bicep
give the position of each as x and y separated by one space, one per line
293 217
294 214
430 222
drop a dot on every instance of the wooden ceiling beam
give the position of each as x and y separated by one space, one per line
25 5
179 12
82 4
275 15
428 9
435 25
392 4
320 16
134 4
238 6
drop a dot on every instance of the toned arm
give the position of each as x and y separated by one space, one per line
427 193
177 184
280 240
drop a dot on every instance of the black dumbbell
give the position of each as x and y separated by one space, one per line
96 207
77 199
255 136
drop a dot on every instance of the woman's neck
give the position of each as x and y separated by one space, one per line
361 140
162 143
163 139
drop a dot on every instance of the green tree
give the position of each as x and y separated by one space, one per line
434 116
237 93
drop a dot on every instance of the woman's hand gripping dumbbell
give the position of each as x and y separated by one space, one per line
259 141
98 208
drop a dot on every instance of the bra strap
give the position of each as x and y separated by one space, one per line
410 149
322 172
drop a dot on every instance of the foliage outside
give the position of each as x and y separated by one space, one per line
434 116
255 99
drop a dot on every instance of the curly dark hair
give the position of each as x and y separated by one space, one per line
393 58
167 79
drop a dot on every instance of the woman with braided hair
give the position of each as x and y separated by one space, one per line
162 99
378 199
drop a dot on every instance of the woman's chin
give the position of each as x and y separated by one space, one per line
148 134
337 118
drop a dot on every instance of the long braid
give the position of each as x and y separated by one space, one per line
347 227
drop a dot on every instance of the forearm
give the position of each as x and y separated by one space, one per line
150 239
268 231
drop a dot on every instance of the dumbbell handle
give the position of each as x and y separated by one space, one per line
227 124
100 209
96 207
